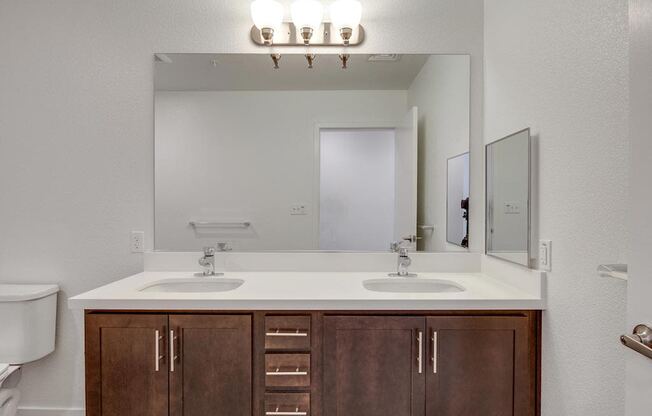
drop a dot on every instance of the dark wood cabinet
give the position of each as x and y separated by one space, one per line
373 366
212 365
179 365
319 363
479 366
126 369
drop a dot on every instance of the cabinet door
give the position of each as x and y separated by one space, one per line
479 366
371 366
210 371
126 369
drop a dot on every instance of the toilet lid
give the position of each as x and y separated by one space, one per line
3 368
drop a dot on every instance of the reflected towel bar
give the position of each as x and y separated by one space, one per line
244 224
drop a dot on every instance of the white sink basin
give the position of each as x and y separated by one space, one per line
412 285
200 285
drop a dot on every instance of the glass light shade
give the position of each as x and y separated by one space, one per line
346 14
307 13
267 14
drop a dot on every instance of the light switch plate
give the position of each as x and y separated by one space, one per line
545 255
299 209
512 207
137 241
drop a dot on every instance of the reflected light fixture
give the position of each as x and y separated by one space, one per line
268 18
307 16
345 16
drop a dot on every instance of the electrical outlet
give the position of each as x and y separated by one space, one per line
298 209
545 255
137 241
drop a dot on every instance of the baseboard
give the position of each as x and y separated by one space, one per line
50 411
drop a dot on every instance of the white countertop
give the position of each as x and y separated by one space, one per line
308 291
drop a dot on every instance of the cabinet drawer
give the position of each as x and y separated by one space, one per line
287 332
287 404
287 370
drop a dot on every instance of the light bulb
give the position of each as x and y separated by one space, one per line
346 15
307 16
268 17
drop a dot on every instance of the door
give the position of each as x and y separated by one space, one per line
479 366
373 366
639 286
405 204
356 188
210 368
126 365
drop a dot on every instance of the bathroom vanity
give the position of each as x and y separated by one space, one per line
292 343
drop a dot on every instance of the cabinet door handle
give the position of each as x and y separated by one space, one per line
157 352
420 351
278 372
173 357
278 333
434 352
280 413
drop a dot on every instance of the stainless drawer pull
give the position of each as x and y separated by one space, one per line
157 353
640 340
278 372
279 413
434 352
419 353
278 333
173 357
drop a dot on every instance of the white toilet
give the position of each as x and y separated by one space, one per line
28 315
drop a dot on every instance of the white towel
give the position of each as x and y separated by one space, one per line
9 402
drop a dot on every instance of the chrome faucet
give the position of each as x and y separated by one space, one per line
208 260
404 261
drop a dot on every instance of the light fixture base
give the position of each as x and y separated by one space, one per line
288 35
267 34
345 34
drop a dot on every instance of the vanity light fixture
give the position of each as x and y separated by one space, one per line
276 57
307 27
346 15
268 18
344 57
310 57
307 16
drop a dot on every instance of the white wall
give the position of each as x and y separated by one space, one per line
441 92
215 161
76 135
356 189
560 67
639 376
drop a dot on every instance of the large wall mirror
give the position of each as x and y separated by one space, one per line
322 158
508 198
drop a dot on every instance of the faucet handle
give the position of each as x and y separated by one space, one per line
209 251
412 238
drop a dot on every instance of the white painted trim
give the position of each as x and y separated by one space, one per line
51 411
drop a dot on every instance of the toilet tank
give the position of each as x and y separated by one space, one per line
28 316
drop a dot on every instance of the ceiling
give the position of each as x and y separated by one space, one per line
255 72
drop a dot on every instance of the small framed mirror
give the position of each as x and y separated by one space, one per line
508 198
